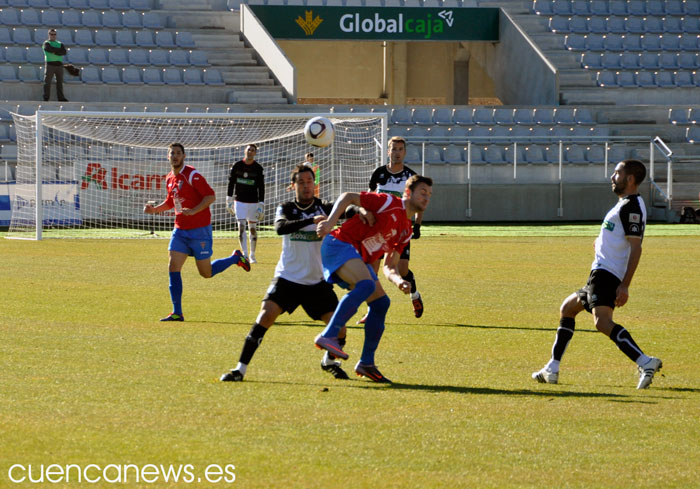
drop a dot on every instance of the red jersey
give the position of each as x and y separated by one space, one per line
189 187
392 231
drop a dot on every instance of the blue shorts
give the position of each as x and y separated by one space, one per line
335 254
195 242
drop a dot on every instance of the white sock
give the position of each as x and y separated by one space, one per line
415 295
642 360
241 367
552 365
328 360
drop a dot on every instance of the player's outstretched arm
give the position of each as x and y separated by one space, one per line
149 208
391 272
345 199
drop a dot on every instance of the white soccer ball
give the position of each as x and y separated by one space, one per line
319 132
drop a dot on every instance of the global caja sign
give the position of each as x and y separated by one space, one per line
385 24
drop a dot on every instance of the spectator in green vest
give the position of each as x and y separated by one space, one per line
54 51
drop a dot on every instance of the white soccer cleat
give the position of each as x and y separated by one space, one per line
546 376
647 371
252 258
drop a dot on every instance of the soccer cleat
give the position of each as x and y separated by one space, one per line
242 260
647 371
335 370
232 376
363 319
331 345
371 372
418 307
173 317
546 376
252 258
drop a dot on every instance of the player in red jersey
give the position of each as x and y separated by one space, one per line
348 252
190 195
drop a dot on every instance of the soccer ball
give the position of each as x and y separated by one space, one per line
319 132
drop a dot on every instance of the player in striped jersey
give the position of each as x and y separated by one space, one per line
618 250
348 252
190 195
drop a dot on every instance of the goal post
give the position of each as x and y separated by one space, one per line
89 174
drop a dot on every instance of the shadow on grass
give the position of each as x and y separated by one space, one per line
519 328
501 392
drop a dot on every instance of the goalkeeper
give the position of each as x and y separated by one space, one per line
245 198
190 195
298 279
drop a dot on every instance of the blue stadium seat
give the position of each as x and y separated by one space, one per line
637 7
664 79
598 25
132 76
38 3
140 4
441 132
574 154
534 154
152 76
30 16
179 57
629 61
503 116
22 35
132 19
28 73
83 37
5 36
688 61
599 7
442 116
651 42
626 79
193 76
413 154
119 4
632 42
561 7
98 56
690 25
35 55
483 116
691 8
683 79
4 133
670 42
103 37
144 39
77 56
692 134
118 56
606 79
575 42
578 24
614 42
433 154
653 25
649 61
198 58
595 42
79 4
584 116
92 18
8 74
672 25
152 20
618 7
521 131
99 4
112 19
523 117
582 131
417 132
479 132
646 79
460 132
16 54
159 57
502 131
559 24
9 16
694 116
90 75
422 116
124 38
610 61
463 117
164 39
453 154
543 7
401 115
112 75
543 116
71 18
184 39
595 154
581 7
668 61
616 24
494 154
689 42
673 7
139 57
541 132
2 58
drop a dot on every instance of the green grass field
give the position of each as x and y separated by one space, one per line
89 376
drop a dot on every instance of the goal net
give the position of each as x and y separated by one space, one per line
98 170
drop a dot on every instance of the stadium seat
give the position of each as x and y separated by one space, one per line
610 61
417 132
561 7
581 7
71 18
479 133
646 79
494 154
132 76
503 116
98 56
673 7
539 132
453 154
159 57
413 154
578 24
634 25
502 131
606 79
618 7
595 154
583 117
599 7
139 57
632 42
690 25
152 20
124 38
164 39
614 42
649 61
4 133
21 35
132 19
543 7
694 116
683 79
38 3
90 75
534 154
521 131
688 61
83 37
103 38
198 58
559 24
92 18
112 19
140 4
544 116
119 4
664 79
574 154
35 55
668 61
5 36
78 56
463 117
30 17
442 116
111 75
184 39
595 42
172 76
523 117
16 54
401 115
575 42
692 134
691 8
193 76
179 57
591 61
79 4
9 16
689 42
459 132
616 25
99 4
144 39
651 42
672 25
433 154
152 76
440 132
629 61
597 24
679 116
118 56
28 73
483 116
670 42
422 116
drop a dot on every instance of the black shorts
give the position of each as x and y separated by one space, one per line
406 253
317 299
601 290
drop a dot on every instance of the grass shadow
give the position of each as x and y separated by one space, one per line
518 328
502 392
